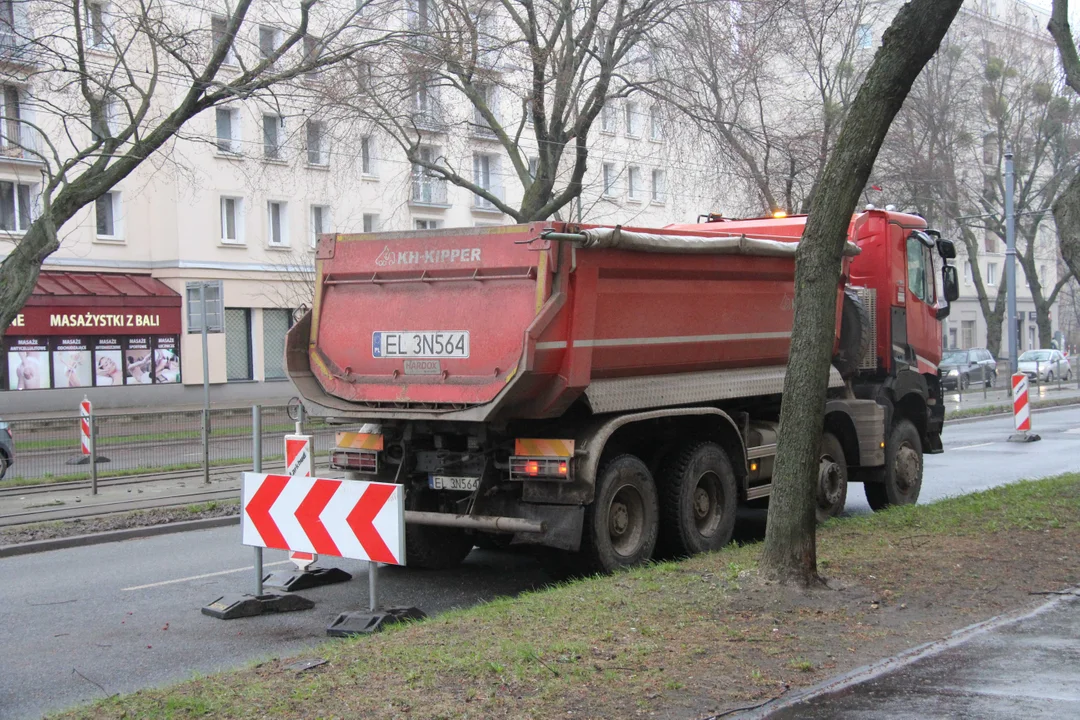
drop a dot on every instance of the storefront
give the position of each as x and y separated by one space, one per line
84 330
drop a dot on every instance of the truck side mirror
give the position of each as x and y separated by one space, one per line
946 248
951 282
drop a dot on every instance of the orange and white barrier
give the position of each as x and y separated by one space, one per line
84 425
1021 408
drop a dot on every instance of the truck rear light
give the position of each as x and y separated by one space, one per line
362 461
525 468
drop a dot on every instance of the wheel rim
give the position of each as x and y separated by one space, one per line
626 520
830 482
906 467
707 504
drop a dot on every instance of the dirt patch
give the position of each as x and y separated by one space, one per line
684 639
140 518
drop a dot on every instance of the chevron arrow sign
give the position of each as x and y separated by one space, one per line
346 518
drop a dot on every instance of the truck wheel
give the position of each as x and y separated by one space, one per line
429 547
832 478
622 523
903 469
698 500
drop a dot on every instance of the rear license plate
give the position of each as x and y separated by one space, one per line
407 344
449 482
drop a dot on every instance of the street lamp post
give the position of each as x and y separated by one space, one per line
1010 258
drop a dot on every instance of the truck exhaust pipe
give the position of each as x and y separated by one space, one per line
487 523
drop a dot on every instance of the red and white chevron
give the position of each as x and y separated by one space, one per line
346 518
84 425
1021 409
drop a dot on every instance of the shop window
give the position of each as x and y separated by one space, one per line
275 324
238 344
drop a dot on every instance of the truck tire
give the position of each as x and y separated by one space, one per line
698 497
903 469
854 335
622 523
429 547
832 478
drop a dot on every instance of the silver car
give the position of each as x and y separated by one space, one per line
1044 365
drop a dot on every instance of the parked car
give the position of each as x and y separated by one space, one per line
7 448
1044 365
961 368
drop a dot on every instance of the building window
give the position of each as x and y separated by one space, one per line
608 119
991 273
312 53
238 344
534 167
272 132
95 24
609 179
277 223
485 172
316 144
633 183
106 209
421 224
228 131
655 132
232 220
967 334
218 27
487 98
11 136
952 338
320 222
967 273
371 222
427 188
864 38
275 324
659 190
15 208
367 158
633 120
268 41
1042 274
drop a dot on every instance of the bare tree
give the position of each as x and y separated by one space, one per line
790 553
988 89
101 89
1067 206
769 85
527 77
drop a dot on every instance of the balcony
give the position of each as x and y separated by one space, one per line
428 120
429 191
17 50
18 142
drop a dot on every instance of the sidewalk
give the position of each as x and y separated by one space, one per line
1026 667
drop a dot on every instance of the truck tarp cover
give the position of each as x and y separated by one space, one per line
617 238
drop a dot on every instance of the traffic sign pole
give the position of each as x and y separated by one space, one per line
256 466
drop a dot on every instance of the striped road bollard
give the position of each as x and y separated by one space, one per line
84 425
1021 410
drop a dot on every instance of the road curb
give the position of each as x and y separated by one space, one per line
896 662
71 541
1034 409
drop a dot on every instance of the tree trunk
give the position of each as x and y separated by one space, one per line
1067 218
993 331
790 554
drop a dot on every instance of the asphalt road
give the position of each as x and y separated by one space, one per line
75 619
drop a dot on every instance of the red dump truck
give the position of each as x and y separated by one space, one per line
611 392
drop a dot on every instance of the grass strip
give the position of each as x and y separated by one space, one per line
674 639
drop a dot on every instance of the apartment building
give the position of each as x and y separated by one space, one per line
241 196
